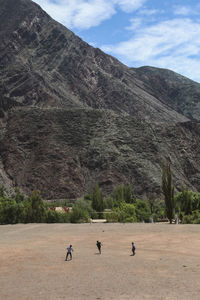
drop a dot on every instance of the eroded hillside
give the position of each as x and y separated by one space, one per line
72 116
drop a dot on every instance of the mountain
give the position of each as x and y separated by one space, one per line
72 116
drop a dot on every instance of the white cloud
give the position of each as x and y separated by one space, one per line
129 5
187 10
92 13
172 44
83 14
135 23
149 12
78 13
183 10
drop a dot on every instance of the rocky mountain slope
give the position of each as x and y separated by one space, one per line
72 116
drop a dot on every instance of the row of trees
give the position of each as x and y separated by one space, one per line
120 206
18 209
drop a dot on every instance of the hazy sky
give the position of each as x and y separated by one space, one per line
160 33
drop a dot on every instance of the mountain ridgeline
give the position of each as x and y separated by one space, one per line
72 116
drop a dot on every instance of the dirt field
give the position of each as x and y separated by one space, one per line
166 264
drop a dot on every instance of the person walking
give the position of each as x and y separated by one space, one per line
133 248
69 252
99 246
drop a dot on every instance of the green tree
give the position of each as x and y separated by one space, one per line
184 201
188 206
118 196
151 198
168 191
122 193
142 210
195 201
127 194
109 202
126 212
97 200
36 209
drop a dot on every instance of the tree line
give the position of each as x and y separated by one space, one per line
120 206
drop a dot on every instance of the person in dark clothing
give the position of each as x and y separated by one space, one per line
69 252
99 246
133 248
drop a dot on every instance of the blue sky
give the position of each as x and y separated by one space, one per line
159 33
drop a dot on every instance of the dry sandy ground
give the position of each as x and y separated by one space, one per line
166 264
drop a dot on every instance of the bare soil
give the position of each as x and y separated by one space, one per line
166 264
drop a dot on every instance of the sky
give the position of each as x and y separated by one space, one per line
159 33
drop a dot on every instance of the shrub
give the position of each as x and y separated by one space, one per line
79 215
143 212
112 217
187 219
194 218
8 211
126 213
57 217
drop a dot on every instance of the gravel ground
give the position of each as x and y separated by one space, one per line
166 264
